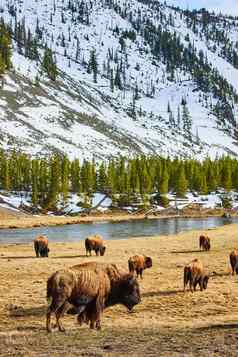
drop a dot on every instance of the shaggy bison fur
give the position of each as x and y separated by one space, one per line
204 242
88 290
41 246
138 263
194 274
95 243
234 261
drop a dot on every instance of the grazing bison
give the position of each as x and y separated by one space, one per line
194 274
95 243
204 242
41 246
138 263
114 275
234 261
89 291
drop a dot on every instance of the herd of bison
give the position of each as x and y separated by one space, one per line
87 289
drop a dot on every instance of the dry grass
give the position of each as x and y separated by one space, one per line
166 323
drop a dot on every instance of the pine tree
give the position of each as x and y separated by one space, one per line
187 120
49 65
164 183
5 48
111 81
93 65
181 184
117 80
34 180
102 178
54 185
65 168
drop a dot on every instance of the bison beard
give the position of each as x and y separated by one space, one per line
89 292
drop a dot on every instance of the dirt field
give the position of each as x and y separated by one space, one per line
167 322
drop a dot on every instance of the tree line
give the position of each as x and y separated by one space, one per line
48 179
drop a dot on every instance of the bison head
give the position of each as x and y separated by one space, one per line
148 262
102 250
205 282
129 292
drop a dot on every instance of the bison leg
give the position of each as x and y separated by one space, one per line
141 272
60 313
53 308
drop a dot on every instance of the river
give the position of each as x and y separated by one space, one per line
113 230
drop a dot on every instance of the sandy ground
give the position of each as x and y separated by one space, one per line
167 322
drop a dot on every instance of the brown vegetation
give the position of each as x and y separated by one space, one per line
167 322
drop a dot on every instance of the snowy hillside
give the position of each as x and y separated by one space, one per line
138 97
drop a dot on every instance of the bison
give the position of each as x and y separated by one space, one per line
113 273
41 246
204 242
138 263
95 243
89 290
194 274
234 261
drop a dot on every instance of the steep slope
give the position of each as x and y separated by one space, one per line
163 83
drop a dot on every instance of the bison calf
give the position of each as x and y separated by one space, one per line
95 243
234 261
194 274
138 263
204 242
41 246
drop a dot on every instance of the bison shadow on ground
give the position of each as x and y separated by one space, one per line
225 326
19 311
19 257
55 257
187 251
162 293
72 256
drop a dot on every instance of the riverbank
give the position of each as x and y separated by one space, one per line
166 323
30 221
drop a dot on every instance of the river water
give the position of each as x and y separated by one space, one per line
113 230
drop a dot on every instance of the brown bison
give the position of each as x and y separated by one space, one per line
204 243
194 274
234 261
90 290
41 246
138 263
113 273
95 243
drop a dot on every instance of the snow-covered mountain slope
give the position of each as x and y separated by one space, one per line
137 101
